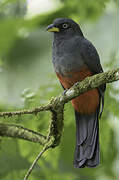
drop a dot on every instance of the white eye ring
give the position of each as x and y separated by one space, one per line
65 25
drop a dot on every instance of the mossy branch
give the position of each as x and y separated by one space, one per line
56 107
17 131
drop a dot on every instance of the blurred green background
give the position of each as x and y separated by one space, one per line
27 80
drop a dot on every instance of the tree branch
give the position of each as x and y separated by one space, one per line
16 131
78 88
90 83
56 107
22 112
35 161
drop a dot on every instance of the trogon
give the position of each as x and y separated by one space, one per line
74 58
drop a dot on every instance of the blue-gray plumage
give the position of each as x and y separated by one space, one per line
75 58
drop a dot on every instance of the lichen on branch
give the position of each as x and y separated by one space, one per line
56 107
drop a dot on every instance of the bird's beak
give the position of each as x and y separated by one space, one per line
52 28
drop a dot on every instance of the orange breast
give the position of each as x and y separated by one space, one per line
87 102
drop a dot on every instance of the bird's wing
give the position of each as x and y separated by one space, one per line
91 58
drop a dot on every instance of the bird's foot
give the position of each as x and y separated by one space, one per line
64 92
77 83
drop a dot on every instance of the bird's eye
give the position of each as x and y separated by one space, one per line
65 25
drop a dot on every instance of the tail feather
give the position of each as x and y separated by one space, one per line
87 140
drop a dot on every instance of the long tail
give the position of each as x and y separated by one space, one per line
87 140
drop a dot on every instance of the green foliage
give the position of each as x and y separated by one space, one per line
12 8
86 9
27 80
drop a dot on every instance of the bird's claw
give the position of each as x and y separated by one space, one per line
76 83
64 92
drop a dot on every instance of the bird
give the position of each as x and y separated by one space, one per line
74 58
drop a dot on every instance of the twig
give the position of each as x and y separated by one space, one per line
22 112
35 161
17 131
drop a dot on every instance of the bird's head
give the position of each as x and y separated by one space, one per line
64 26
